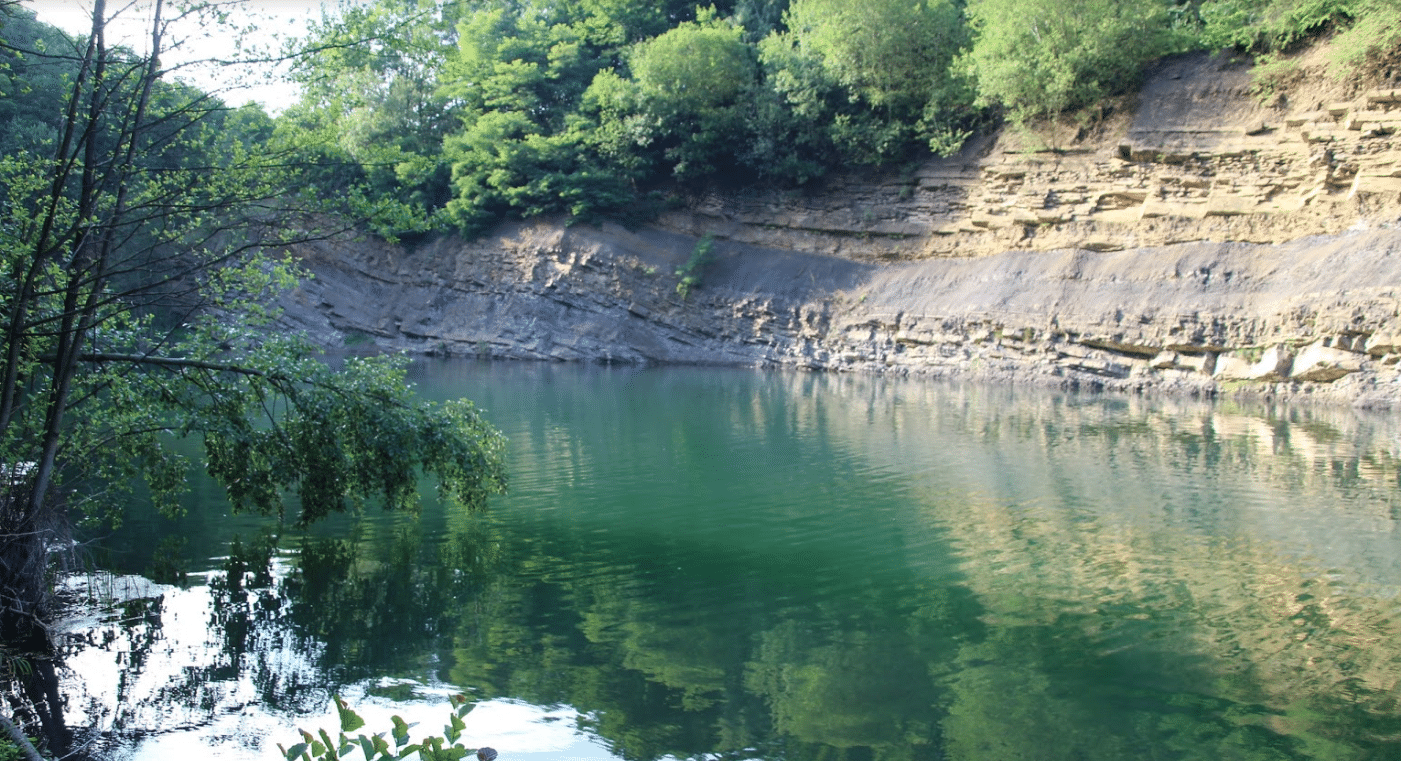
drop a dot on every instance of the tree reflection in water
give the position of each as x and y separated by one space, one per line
965 574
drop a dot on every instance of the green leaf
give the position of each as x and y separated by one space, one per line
454 728
350 720
401 731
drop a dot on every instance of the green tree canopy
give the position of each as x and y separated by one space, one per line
893 55
683 104
891 61
1040 58
520 73
371 111
695 66
30 72
462 113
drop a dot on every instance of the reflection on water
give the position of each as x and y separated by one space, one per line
747 565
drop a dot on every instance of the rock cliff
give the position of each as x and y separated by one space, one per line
1198 240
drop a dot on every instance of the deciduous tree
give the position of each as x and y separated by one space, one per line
134 252
893 58
1040 58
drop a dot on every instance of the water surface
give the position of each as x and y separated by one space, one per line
744 565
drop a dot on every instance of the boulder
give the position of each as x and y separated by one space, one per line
1320 363
1232 367
1274 364
1164 360
1172 360
1379 344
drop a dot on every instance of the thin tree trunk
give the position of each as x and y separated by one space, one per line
15 331
86 257
17 737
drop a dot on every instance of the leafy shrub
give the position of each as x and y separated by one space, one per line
1375 34
690 272
1039 58
1267 25
444 747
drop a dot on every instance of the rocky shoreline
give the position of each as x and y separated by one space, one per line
1313 319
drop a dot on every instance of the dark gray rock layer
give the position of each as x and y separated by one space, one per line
1317 317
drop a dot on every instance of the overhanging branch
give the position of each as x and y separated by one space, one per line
199 364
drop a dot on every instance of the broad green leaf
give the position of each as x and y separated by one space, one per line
350 720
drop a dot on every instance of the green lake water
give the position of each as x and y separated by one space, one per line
735 564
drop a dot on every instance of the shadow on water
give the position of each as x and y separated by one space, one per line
743 565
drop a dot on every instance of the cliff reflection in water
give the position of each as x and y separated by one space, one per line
829 567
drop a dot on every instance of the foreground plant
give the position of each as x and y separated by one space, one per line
444 747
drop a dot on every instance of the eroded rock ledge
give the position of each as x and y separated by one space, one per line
1315 317
1206 244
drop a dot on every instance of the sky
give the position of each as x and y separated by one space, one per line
274 20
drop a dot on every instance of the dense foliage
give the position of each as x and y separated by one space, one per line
1040 58
141 222
469 110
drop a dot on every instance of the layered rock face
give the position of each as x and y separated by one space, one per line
1206 243
1199 157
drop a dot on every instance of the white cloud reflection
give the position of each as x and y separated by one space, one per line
159 672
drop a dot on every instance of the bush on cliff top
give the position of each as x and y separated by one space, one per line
534 106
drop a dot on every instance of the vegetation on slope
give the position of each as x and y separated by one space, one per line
467 111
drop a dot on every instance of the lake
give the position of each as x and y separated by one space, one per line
734 564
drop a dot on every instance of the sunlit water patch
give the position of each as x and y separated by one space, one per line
735 564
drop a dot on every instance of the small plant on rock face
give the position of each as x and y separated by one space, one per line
690 272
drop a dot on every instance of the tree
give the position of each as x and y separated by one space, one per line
890 54
370 96
26 82
758 17
519 72
892 57
683 105
134 255
1041 58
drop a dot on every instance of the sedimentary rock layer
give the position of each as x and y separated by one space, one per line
1317 316
1200 242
